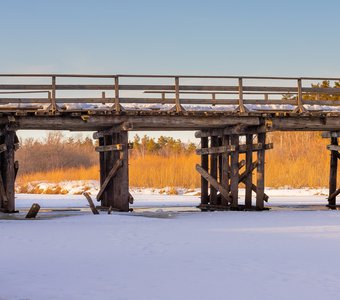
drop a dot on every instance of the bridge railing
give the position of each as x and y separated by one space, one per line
182 92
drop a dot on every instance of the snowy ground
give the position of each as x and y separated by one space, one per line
276 254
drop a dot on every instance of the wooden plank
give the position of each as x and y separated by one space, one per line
106 148
33 212
204 164
260 172
234 171
89 200
333 171
213 182
109 177
249 177
213 170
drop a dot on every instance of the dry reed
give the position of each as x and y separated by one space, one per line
297 160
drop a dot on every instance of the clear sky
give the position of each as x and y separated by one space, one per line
293 38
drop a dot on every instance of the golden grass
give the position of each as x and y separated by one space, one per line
297 160
158 172
59 175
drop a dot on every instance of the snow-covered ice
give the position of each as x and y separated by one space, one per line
277 254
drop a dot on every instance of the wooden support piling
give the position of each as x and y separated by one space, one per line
260 172
8 171
114 176
225 170
333 173
249 177
213 171
234 171
204 164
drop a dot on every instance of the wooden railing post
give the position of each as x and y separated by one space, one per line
300 107
117 104
53 99
241 107
177 103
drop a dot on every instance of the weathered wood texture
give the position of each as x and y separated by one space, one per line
333 171
225 170
114 179
204 165
213 182
213 170
8 171
249 177
234 170
260 172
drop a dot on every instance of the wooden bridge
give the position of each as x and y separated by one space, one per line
230 114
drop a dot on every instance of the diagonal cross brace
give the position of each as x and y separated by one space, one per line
214 183
111 174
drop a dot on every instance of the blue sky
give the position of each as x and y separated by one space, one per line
293 38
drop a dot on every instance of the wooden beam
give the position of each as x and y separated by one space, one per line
116 147
249 170
225 170
121 180
140 122
260 172
333 171
109 177
234 171
205 165
213 182
213 170
91 204
238 129
9 170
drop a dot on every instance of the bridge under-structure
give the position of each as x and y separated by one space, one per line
230 114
